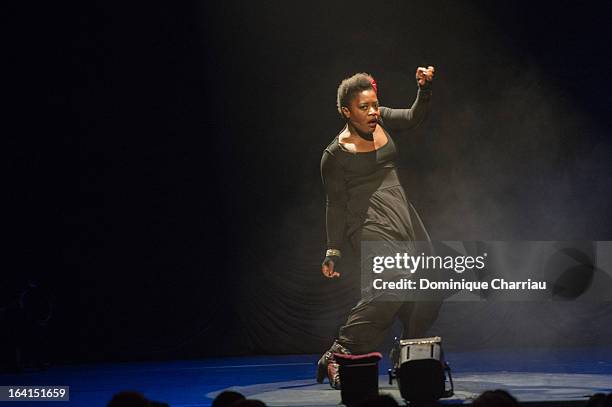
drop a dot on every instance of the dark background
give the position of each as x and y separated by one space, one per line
163 181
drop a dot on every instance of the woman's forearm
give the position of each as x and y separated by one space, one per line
335 225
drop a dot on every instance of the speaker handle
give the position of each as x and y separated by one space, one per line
451 392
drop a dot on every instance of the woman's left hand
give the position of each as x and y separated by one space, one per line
424 75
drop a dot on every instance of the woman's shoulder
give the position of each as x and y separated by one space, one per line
385 112
333 147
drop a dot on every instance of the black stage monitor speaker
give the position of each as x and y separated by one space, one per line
420 370
358 377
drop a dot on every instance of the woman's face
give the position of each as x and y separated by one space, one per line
363 111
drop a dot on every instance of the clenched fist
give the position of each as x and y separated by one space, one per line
328 267
424 75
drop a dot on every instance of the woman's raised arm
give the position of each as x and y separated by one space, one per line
410 118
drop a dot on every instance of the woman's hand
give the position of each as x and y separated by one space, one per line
424 75
328 266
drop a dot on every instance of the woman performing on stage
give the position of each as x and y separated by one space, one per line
365 202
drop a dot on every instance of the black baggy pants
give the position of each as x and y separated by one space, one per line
370 320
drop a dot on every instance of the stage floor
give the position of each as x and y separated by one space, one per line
530 375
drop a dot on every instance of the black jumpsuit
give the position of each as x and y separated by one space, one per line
365 202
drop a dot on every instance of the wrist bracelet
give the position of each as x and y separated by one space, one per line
333 252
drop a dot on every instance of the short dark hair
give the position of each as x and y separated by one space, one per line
349 87
227 398
495 398
128 399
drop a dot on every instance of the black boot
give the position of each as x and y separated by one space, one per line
328 366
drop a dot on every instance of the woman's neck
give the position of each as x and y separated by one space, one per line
366 136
